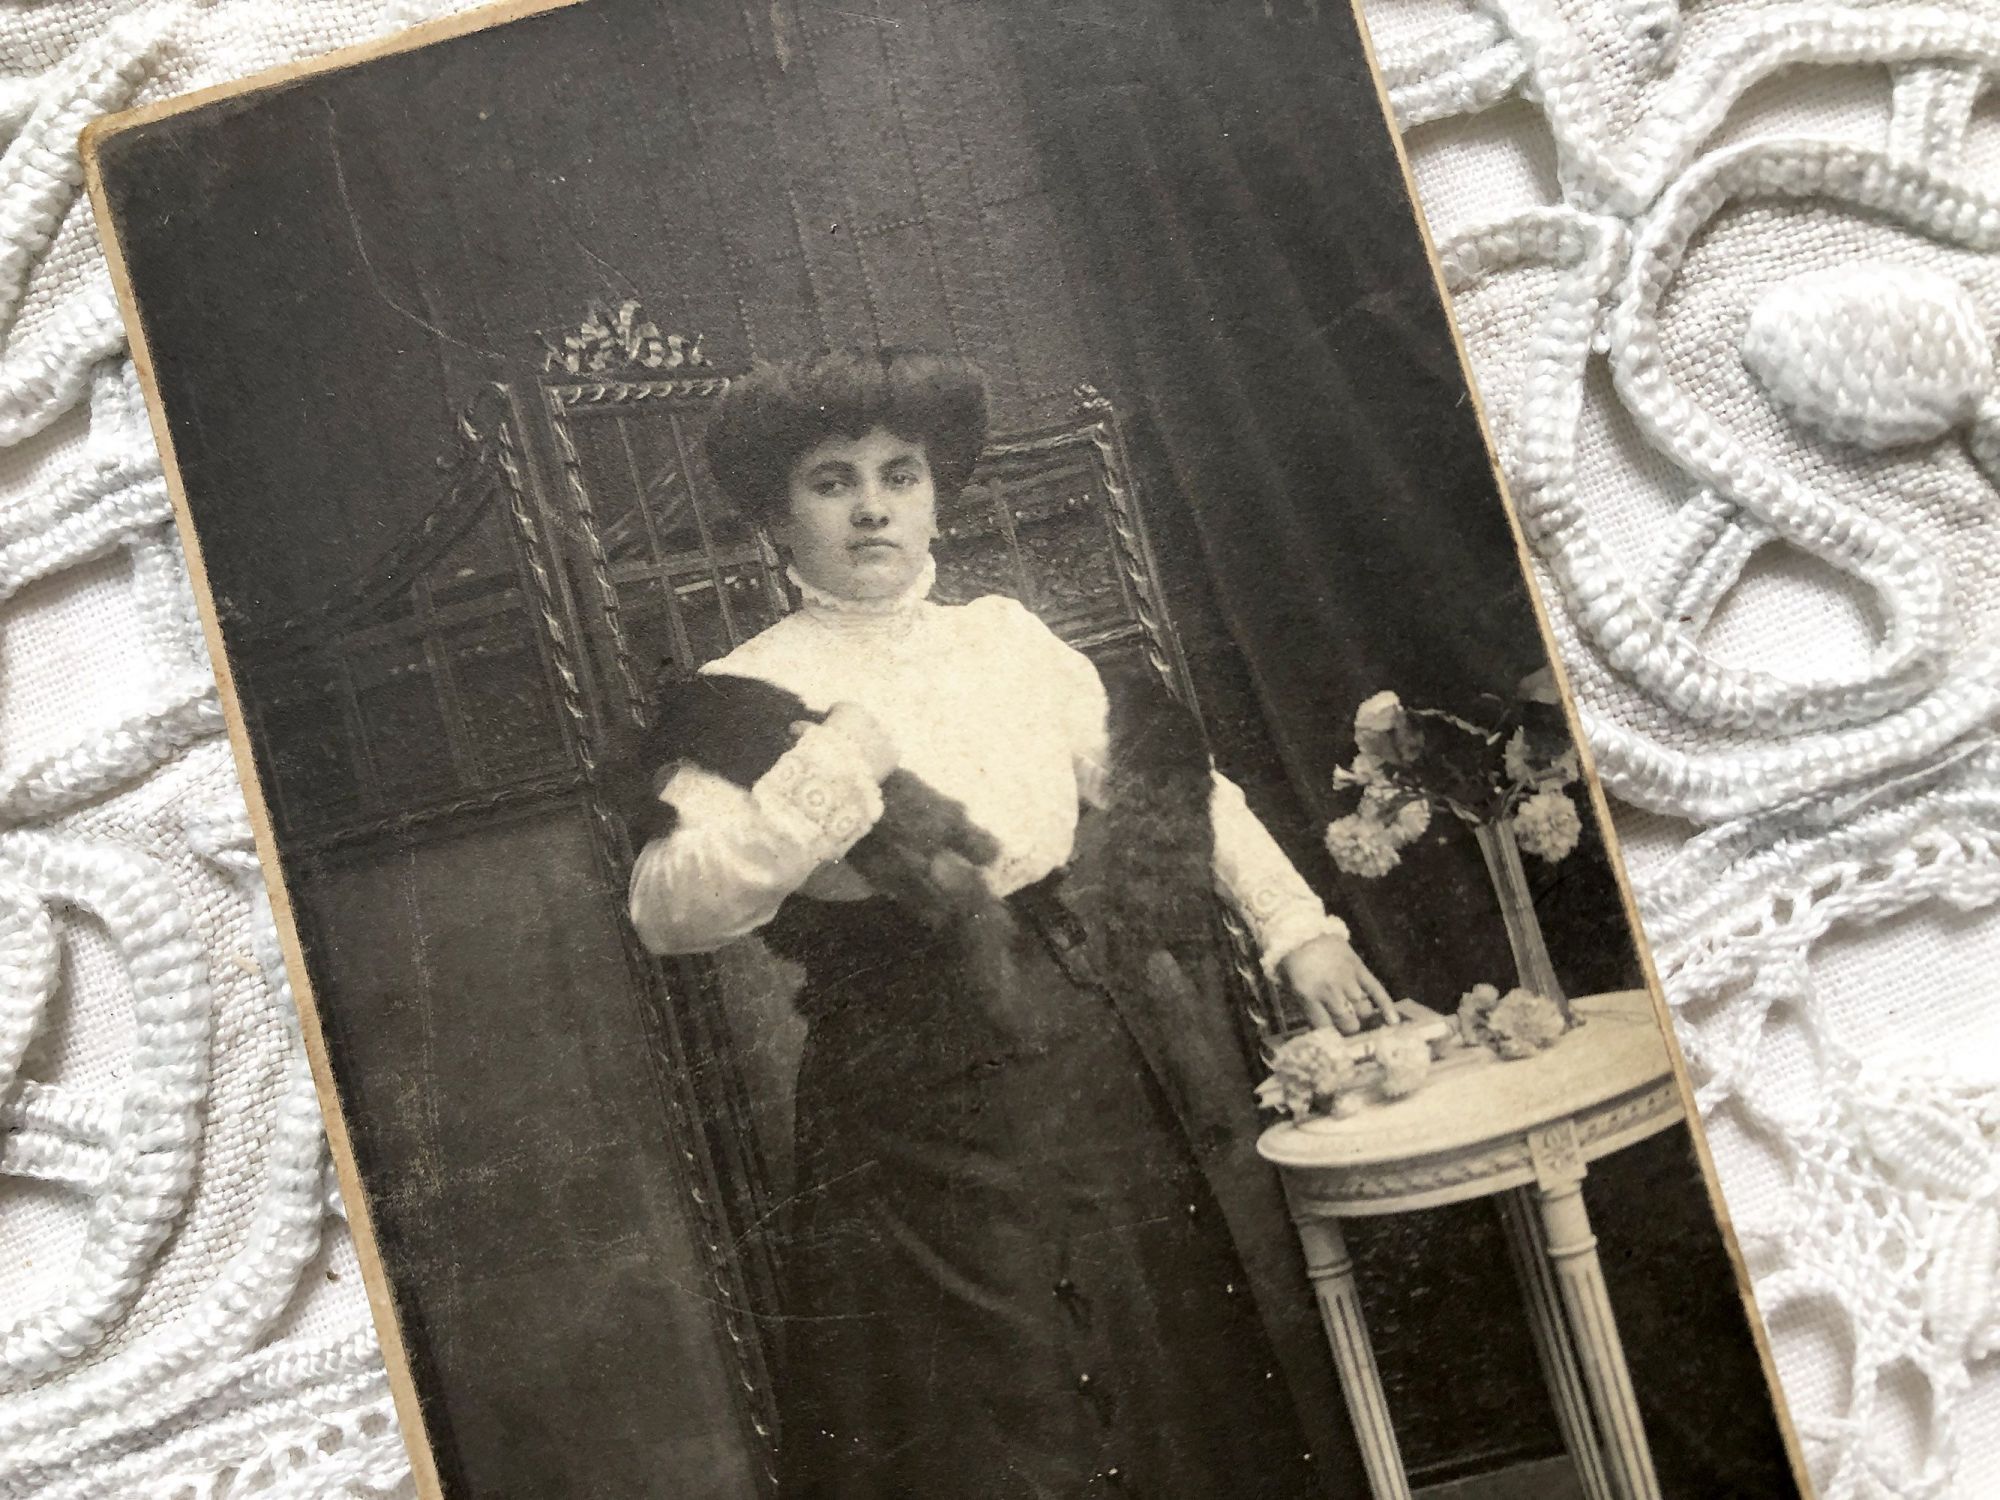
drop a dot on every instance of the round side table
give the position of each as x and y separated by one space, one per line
1523 1133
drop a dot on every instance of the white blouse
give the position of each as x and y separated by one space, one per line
985 703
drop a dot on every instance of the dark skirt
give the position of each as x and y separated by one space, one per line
1004 1273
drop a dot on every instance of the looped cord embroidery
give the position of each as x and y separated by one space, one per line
1729 354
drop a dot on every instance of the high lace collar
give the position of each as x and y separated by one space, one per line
893 614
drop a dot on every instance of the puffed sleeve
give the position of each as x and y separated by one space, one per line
1084 712
1251 871
735 854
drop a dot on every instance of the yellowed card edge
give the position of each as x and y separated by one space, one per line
380 1297
1794 1450
463 23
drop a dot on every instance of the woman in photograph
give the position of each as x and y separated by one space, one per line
1031 1249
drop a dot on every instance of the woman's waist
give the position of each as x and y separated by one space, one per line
1021 862
961 1049
873 964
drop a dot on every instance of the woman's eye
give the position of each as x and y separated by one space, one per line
828 487
903 480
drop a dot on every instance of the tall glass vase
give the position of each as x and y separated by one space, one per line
1517 909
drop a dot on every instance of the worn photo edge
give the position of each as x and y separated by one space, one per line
94 137
353 1190
1662 1012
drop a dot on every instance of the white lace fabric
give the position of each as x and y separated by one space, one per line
1725 269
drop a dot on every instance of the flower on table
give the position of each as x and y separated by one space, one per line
1405 1059
1309 1074
1516 1025
1474 1006
1547 824
1524 1023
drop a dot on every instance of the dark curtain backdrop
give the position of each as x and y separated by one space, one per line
1241 220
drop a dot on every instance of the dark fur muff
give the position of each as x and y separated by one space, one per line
923 851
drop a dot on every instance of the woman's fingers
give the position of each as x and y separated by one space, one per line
1384 1002
1328 1007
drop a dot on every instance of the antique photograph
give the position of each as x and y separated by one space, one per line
928 838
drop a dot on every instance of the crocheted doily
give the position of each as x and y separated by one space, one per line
1723 269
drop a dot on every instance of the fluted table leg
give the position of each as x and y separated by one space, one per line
1572 1254
1553 1346
1332 1272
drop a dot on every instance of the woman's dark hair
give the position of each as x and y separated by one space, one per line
767 420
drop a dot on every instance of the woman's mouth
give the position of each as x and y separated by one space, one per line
872 543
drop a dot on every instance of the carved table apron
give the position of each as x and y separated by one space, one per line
1523 1132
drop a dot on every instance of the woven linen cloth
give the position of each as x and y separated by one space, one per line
1724 270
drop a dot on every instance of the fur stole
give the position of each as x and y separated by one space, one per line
921 850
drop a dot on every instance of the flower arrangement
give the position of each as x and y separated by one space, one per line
1409 762
1321 1072
1507 777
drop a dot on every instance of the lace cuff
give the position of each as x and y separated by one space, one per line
1290 925
820 794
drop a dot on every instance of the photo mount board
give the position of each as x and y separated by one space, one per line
102 138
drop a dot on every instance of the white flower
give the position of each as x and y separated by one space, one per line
1539 686
1413 820
1361 846
1406 1061
1474 1006
1523 772
1548 825
1363 771
1406 816
1308 1073
1523 1024
1379 714
1383 730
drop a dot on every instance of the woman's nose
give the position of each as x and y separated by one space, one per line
870 509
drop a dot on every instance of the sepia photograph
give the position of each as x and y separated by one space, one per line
927 836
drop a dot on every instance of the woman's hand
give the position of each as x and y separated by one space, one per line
864 731
1334 984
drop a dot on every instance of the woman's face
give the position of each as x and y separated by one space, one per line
863 512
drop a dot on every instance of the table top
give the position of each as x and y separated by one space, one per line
1618 1051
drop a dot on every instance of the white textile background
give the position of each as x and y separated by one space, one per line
1725 269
